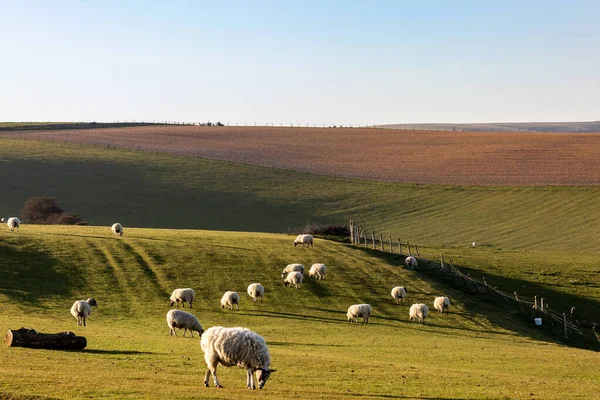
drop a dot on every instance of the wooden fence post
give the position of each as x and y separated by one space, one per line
399 246
417 250
442 260
351 225
373 238
408 245
365 237
573 314
565 325
381 240
521 305
390 239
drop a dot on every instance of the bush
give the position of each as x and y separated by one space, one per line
315 228
45 210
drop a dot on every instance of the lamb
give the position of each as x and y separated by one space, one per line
292 268
441 303
359 310
229 299
318 271
399 293
236 346
293 278
82 309
411 262
182 295
418 312
304 240
117 229
256 291
181 319
13 223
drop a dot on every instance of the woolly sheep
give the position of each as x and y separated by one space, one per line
411 262
256 291
229 299
117 229
2 220
181 319
418 312
182 295
318 271
293 278
13 223
292 268
82 309
399 293
304 240
359 311
236 346
441 303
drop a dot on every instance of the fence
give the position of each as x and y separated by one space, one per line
563 325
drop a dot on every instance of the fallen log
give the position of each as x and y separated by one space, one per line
31 338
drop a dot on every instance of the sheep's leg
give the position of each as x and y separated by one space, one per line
237 306
83 321
184 331
249 379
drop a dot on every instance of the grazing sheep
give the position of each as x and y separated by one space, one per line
411 262
474 244
181 319
182 295
256 291
441 303
418 312
359 311
399 293
304 240
117 229
318 271
229 299
292 268
82 309
236 346
13 223
293 278
2 220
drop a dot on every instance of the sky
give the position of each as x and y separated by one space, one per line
300 62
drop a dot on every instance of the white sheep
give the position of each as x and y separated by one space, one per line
318 270
236 346
13 223
418 312
82 309
292 268
2 220
399 293
411 262
229 299
181 296
256 291
117 229
304 240
293 278
181 319
359 311
441 303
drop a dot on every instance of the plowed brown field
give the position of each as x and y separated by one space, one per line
434 157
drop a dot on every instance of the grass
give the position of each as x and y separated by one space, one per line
462 355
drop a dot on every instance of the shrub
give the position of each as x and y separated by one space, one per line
45 210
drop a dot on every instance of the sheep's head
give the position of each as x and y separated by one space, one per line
92 302
262 375
295 243
286 283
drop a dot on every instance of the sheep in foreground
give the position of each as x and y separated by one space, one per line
181 296
181 319
236 346
399 293
359 311
418 312
292 268
117 229
82 309
411 262
441 303
304 240
256 291
229 299
293 278
13 223
318 270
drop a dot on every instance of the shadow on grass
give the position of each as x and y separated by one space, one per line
117 352
306 344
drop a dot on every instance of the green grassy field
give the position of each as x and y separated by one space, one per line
474 352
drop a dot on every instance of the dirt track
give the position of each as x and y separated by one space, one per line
463 158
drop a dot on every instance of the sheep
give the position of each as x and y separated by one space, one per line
13 223
256 291
82 309
292 268
229 299
182 295
318 271
304 240
418 312
399 293
236 346
2 220
293 278
411 262
359 310
441 303
117 229
181 319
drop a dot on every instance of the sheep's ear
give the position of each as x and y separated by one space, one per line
272 370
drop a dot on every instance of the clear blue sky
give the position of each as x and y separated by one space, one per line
317 62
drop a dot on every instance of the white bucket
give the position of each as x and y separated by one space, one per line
538 322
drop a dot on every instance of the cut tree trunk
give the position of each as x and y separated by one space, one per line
31 338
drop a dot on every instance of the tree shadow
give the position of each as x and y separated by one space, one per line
117 352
